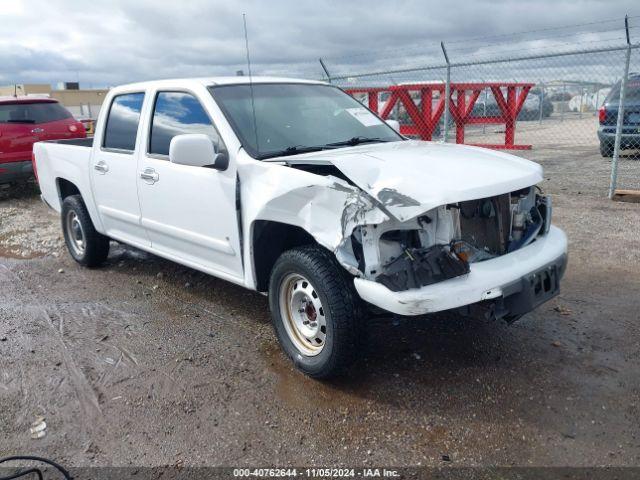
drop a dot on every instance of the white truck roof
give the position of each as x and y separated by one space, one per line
208 81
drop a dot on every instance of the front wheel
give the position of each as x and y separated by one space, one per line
87 246
316 311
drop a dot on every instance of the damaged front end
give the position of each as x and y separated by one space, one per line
422 227
442 243
418 267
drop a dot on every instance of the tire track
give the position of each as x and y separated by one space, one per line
85 394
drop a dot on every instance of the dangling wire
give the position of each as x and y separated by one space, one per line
33 470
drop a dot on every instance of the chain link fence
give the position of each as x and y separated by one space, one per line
548 106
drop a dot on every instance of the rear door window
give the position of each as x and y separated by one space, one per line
177 113
122 123
33 113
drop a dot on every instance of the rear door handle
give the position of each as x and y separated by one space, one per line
149 175
101 167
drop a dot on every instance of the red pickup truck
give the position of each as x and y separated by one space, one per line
24 121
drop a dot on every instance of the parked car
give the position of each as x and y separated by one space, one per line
608 117
294 189
24 121
530 109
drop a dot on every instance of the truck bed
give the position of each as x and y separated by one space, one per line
68 159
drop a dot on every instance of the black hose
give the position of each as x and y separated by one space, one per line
24 473
36 471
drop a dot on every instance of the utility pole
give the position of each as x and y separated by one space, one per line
619 123
447 95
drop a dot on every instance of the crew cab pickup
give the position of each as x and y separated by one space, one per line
295 189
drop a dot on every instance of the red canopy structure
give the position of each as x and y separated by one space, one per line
425 116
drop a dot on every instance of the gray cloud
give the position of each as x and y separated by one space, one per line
112 42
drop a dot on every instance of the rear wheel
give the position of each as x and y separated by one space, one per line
316 311
606 149
85 244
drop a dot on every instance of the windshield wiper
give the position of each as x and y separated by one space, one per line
25 120
297 149
293 150
353 141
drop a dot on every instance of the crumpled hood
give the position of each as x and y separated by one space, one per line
411 177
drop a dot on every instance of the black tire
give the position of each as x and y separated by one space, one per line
340 302
96 245
606 149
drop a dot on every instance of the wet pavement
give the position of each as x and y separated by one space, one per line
144 362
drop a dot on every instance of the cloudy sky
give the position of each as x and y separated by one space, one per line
110 42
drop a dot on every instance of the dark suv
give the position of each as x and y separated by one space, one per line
608 116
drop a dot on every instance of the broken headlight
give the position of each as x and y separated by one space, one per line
418 267
530 217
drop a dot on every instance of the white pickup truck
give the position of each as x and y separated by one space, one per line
294 189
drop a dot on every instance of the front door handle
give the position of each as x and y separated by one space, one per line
101 167
149 175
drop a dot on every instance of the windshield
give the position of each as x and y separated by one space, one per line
293 118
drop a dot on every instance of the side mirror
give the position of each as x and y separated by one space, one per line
395 124
196 150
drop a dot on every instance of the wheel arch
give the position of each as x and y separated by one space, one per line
269 239
66 188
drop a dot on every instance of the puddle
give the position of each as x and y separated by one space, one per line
299 391
11 247
13 251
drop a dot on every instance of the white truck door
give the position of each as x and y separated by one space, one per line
114 170
189 212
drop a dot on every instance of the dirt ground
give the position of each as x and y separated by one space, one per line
144 362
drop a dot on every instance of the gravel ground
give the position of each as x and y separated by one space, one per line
144 362
19 221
